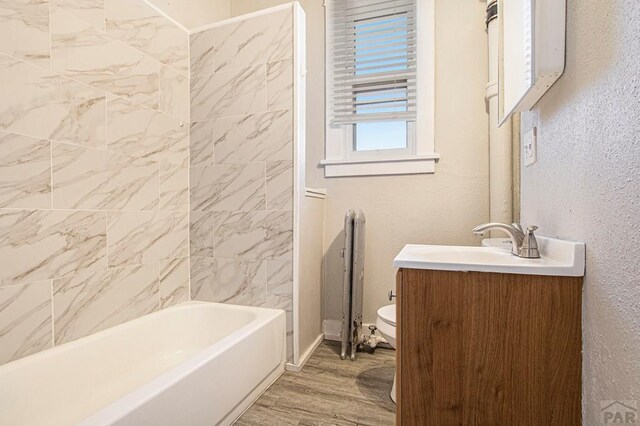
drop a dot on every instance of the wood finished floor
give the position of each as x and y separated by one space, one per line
330 391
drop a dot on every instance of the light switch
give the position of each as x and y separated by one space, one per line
529 146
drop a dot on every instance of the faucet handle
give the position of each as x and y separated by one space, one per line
529 249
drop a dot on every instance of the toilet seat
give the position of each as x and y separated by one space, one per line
388 314
386 323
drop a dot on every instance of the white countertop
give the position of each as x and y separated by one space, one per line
558 257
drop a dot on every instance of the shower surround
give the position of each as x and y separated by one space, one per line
142 166
94 148
242 162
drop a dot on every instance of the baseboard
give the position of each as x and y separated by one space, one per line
305 356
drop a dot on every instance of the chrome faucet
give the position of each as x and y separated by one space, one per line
522 245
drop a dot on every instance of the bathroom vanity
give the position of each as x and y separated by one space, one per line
485 337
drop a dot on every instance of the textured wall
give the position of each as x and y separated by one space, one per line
437 209
586 186
242 163
93 168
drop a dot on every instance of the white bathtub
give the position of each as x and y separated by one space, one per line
193 364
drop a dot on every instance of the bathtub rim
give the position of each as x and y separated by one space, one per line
127 324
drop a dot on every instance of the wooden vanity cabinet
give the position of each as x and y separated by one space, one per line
479 348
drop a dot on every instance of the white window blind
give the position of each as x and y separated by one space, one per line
374 61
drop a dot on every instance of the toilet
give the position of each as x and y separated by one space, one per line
386 324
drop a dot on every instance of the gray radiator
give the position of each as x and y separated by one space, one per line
353 283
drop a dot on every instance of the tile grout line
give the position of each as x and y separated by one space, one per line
82 209
50 38
159 280
188 126
107 104
53 322
106 236
51 204
51 175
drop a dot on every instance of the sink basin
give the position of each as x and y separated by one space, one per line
558 257
497 242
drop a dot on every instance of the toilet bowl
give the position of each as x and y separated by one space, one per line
386 324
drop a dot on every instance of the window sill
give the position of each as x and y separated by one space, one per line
416 164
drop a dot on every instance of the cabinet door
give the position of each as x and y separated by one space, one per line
481 348
429 348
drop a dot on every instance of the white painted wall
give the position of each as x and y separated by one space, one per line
440 208
310 285
197 12
586 186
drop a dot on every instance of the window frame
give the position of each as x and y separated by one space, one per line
341 158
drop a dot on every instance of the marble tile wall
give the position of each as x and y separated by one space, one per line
241 175
94 170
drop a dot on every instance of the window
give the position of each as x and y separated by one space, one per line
379 136
379 108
